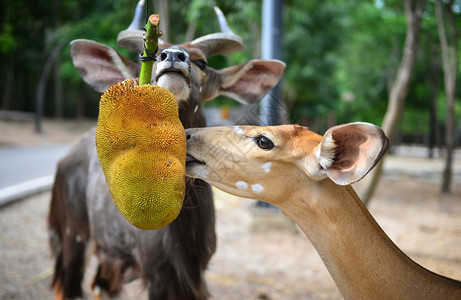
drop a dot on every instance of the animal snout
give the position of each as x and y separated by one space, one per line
174 55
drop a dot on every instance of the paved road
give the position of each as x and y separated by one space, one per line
24 170
19 164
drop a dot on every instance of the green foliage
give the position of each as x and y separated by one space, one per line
313 32
7 42
341 55
370 55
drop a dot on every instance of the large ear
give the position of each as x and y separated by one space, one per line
133 39
348 152
246 83
100 65
218 43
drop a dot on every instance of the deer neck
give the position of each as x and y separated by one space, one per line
360 257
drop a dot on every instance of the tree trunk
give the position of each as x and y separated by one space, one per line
433 81
399 89
9 85
450 64
41 88
58 97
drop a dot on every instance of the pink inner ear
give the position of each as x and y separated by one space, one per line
358 147
349 144
247 83
254 81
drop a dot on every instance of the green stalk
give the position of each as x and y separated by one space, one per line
151 42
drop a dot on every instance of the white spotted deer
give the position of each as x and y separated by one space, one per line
308 177
171 261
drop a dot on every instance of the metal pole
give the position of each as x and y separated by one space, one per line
271 49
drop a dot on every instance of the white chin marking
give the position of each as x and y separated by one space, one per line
176 84
197 171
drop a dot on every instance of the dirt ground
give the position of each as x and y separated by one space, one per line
259 256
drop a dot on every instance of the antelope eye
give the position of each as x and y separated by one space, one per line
201 64
263 142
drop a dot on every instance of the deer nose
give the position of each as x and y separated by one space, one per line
173 56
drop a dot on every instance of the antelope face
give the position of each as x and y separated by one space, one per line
176 72
182 69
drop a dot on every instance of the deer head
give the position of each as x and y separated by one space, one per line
182 69
265 163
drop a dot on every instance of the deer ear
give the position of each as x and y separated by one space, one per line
348 152
100 65
249 82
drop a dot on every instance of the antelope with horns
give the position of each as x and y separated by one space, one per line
308 177
171 261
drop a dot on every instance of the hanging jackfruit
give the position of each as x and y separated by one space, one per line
141 145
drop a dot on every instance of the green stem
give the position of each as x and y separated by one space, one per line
151 42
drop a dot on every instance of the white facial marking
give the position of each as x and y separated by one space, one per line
176 84
241 185
237 129
267 167
179 51
257 188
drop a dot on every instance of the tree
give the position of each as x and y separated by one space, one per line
399 90
449 47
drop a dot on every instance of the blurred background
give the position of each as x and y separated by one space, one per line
392 63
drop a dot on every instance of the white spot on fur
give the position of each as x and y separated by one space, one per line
267 167
237 129
67 230
78 239
241 185
257 188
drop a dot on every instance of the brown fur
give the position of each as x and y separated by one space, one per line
171 260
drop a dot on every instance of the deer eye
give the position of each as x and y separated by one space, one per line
201 64
263 142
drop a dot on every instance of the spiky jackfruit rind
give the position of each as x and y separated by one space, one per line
141 145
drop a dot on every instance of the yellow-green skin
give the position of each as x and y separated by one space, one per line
141 145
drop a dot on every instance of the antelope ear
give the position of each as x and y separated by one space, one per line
133 39
218 43
348 152
100 65
249 82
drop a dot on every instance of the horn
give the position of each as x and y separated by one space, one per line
222 21
132 37
221 42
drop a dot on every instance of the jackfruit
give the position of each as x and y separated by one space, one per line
141 145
